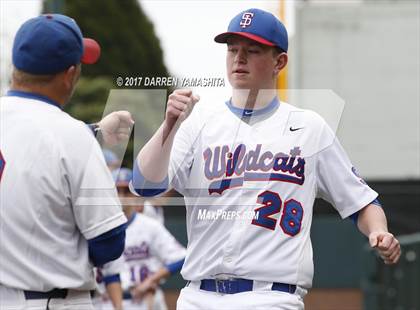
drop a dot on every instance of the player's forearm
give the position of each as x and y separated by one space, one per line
372 222
161 274
114 291
372 219
153 159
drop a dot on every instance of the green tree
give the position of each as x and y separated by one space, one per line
129 46
89 99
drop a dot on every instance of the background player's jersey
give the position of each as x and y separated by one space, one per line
49 159
148 247
153 211
277 163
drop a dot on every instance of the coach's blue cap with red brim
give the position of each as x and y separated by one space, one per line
51 43
258 25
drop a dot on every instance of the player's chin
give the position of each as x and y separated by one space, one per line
239 83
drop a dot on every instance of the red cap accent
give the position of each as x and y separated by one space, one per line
221 38
91 51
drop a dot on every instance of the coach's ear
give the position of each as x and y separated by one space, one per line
281 62
71 76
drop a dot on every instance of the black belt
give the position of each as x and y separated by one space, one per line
238 285
55 293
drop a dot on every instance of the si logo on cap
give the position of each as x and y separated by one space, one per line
246 19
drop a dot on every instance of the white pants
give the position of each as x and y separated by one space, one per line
192 298
154 302
14 299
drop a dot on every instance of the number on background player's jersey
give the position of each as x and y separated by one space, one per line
139 273
2 164
291 219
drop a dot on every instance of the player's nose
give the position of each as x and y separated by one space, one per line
241 56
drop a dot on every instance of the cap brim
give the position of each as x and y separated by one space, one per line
91 51
222 38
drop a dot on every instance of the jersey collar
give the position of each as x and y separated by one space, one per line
24 94
250 112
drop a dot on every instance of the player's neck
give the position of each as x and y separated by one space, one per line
252 99
48 92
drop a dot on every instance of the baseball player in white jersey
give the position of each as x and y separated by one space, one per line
253 155
151 254
107 295
52 232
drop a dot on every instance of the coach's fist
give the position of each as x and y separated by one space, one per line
180 104
387 246
116 127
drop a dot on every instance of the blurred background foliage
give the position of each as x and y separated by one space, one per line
129 48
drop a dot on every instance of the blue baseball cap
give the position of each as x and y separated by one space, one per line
122 176
257 25
51 43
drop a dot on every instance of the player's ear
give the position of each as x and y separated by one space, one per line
280 62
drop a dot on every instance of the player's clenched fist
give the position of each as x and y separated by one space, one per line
387 246
180 104
116 127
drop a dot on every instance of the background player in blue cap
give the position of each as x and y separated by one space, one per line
253 154
52 229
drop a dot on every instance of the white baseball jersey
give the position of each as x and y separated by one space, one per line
148 247
250 187
50 161
152 211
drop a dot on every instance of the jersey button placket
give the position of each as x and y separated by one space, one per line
233 245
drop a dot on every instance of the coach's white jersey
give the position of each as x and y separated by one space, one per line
249 189
148 247
50 160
